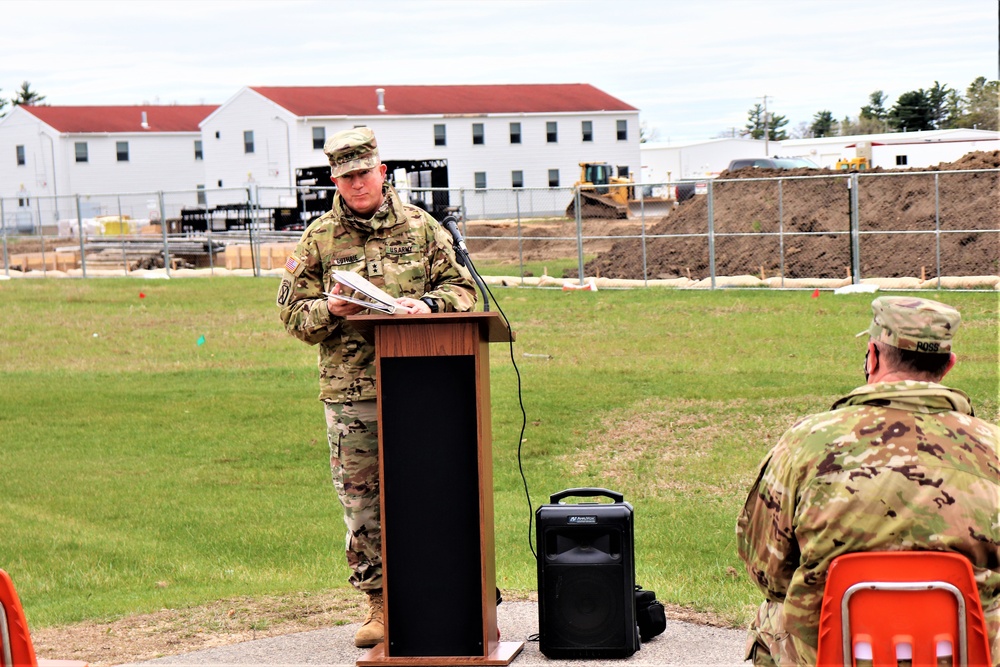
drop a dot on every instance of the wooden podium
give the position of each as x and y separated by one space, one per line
436 467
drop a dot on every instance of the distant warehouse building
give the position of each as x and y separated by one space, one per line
668 162
664 162
894 150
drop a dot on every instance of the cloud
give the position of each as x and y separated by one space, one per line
686 66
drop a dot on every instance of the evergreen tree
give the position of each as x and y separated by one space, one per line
875 109
982 105
954 107
756 124
938 99
823 124
27 96
912 112
775 125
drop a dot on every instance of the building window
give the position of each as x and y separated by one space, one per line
439 136
218 135
319 137
20 155
202 199
198 154
220 182
248 141
587 127
517 179
480 180
121 150
478 134
900 160
515 133
553 178
552 132
623 130
81 151
623 171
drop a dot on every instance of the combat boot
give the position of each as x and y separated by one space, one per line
371 631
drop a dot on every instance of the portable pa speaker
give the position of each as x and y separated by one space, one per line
586 577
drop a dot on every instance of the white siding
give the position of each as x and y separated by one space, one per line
156 162
20 128
927 154
664 163
227 165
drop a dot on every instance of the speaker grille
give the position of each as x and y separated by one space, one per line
586 606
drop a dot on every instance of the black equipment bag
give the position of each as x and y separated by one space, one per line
649 614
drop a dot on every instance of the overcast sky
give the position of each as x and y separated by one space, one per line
692 67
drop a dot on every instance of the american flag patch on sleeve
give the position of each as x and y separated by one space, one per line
291 264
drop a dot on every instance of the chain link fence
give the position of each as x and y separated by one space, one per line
918 225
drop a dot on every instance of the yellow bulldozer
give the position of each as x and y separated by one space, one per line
602 194
853 164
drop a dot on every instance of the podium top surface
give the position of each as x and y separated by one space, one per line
491 324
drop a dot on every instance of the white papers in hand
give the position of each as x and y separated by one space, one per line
374 298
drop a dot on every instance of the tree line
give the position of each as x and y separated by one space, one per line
25 95
936 108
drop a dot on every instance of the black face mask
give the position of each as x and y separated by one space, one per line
867 352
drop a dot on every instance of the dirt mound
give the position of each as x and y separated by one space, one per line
813 217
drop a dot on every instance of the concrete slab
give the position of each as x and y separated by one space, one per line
683 644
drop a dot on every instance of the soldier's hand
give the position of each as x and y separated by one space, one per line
413 306
341 308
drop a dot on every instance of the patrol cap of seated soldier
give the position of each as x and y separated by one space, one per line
911 323
351 150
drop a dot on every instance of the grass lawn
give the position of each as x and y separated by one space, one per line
163 445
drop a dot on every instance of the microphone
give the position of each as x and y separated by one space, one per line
450 223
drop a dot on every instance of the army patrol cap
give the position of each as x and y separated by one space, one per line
351 150
910 323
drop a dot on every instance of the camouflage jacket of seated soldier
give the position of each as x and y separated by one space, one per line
401 249
894 466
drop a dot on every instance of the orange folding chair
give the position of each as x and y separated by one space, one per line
16 649
889 609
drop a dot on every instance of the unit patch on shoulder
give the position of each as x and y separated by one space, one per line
284 291
291 264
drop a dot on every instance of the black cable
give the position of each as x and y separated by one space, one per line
520 402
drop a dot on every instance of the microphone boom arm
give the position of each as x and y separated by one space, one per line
450 223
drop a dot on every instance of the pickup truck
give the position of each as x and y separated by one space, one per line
773 163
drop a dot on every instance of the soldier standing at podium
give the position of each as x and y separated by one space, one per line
404 251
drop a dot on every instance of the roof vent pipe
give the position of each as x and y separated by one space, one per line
145 123
381 99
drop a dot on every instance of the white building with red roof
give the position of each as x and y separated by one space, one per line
492 136
475 136
50 151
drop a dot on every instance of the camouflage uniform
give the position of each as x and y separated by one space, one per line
405 252
894 466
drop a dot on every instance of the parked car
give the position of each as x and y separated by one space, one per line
773 163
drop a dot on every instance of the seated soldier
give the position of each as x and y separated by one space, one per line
900 463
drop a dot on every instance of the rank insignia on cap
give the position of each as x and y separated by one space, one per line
291 264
